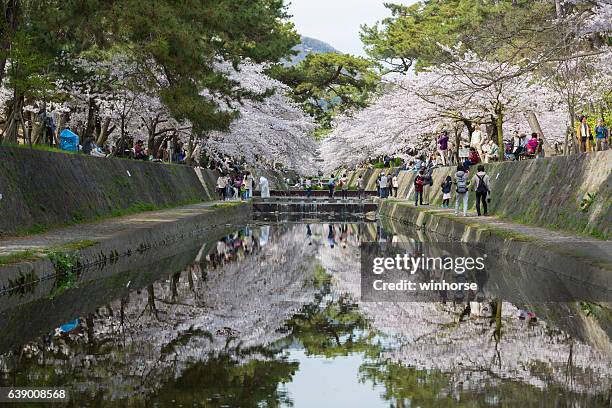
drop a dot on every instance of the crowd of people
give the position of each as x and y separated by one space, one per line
239 185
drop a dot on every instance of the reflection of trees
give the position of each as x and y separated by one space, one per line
410 387
331 328
232 299
331 325
229 381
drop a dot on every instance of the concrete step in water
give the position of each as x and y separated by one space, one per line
314 200
315 206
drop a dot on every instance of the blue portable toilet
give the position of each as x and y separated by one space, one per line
69 140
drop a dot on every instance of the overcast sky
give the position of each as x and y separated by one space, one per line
337 22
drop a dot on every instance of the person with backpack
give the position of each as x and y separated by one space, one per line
331 184
418 188
461 181
482 187
427 183
344 186
602 134
446 191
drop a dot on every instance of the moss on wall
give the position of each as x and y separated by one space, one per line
46 189
572 193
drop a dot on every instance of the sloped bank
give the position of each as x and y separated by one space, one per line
568 193
41 190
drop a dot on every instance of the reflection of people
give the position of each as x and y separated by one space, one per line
265 187
264 234
309 234
331 236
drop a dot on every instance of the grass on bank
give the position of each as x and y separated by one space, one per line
32 255
17 257
44 148
78 219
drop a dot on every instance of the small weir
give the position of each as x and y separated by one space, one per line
314 205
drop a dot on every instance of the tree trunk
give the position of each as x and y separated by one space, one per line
558 8
105 131
499 122
11 127
190 148
38 129
12 16
571 133
534 124
92 113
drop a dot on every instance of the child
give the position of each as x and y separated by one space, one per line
418 188
446 191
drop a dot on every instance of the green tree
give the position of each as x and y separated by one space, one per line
328 84
412 35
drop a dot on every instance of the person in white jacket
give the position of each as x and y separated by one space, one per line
477 139
265 187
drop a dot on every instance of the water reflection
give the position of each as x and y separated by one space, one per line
271 316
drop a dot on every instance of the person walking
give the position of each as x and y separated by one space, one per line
446 191
264 185
443 147
360 187
383 185
584 134
249 185
482 187
418 188
601 136
344 186
395 185
308 187
331 184
461 181
221 186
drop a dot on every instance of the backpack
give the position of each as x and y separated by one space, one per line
462 184
482 186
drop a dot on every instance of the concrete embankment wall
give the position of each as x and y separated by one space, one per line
46 189
544 192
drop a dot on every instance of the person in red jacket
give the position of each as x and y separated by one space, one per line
418 188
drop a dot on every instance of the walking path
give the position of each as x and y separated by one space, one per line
592 248
103 230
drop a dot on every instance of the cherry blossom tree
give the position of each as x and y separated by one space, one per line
269 131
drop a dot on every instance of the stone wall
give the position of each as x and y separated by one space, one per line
544 192
43 189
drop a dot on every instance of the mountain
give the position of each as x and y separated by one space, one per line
310 45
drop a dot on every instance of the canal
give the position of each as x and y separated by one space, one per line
270 315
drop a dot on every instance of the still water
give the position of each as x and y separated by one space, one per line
270 316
